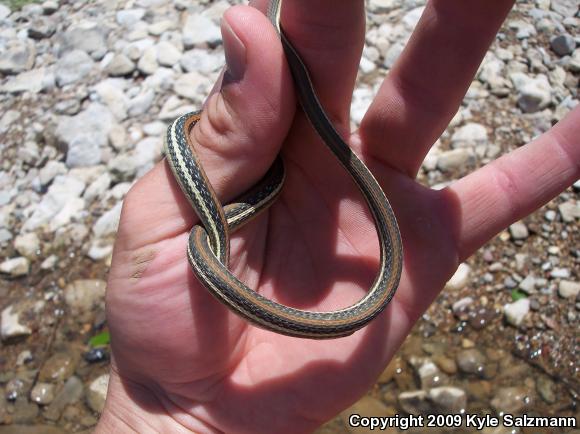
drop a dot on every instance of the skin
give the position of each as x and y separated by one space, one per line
181 361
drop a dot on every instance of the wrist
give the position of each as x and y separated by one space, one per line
134 408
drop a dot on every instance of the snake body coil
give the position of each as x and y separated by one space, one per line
208 246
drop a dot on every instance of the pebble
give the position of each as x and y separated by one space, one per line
28 245
120 65
460 278
12 324
18 56
107 224
511 400
470 361
563 44
568 289
85 295
34 81
58 367
97 392
15 267
71 392
448 400
42 393
570 211
534 94
455 159
167 54
198 30
519 231
469 135
4 11
73 67
515 312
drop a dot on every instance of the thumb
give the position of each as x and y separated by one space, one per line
237 138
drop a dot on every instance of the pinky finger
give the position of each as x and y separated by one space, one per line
516 184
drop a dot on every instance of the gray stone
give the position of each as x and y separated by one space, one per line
470 361
563 44
528 285
469 135
41 28
59 367
193 86
85 295
566 8
73 67
113 96
141 103
569 289
98 187
455 159
50 171
42 393
511 400
202 61
97 392
17 56
83 151
148 61
519 231
130 17
107 224
199 29
15 267
448 400
167 54
120 65
58 204
569 210
4 11
516 312
71 392
523 29
35 81
574 64
534 94
560 273
94 122
27 245
415 402
89 37
12 326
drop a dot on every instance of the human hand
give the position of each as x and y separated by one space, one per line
181 360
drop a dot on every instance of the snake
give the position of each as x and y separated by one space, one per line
208 242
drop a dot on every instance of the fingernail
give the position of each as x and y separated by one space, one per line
235 53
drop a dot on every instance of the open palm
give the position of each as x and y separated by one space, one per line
180 357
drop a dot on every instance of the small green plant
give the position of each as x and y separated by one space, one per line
16 5
100 340
518 295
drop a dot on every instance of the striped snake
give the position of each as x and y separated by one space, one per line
208 245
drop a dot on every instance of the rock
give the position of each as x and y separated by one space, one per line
148 61
515 312
455 159
12 327
193 86
24 357
107 224
50 171
167 54
98 252
141 103
58 205
42 393
130 17
569 211
98 187
566 8
545 388
201 61
511 400
49 7
73 67
415 402
448 400
4 11
35 81
15 267
85 295
523 29
87 36
96 355
574 64
17 56
430 375
563 44
91 126
58 367
120 65
69 394
569 289
198 30
534 94
460 278
560 273
113 96
445 363
24 411
97 393
41 28
30 429
528 285
471 361
469 135
519 231
27 245
49 263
